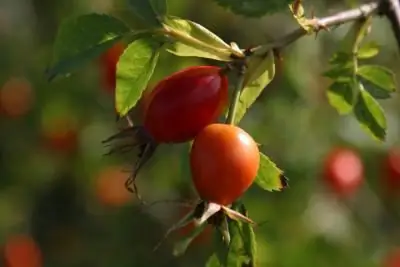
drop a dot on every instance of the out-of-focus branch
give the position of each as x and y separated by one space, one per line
318 24
391 8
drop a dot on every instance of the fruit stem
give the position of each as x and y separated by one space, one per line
236 96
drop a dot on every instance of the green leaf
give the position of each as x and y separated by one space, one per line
260 73
146 10
379 76
194 40
368 50
254 8
220 247
160 7
341 96
83 38
269 176
249 237
375 91
370 115
181 246
134 70
236 253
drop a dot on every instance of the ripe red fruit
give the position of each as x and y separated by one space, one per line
108 65
391 171
184 103
224 162
22 251
343 171
175 111
16 97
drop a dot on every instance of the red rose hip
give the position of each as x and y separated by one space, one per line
184 103
224 162
343 171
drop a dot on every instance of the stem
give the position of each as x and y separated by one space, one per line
236 97
362 11
391 8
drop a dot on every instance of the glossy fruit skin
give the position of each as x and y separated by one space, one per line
182 104
343 171
108 66
391 171
224 162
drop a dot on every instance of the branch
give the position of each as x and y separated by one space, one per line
391 8
342 17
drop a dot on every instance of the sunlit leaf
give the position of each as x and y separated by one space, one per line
375 91
370 115
144 10
83 38
368 50
269 176
134 70
260 73
379 76
213 261
194 40
341 96
254 8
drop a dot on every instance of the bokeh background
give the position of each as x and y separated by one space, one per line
62 203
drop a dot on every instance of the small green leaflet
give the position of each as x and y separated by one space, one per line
83 38
379 76
149 10
134 70
370 115
341 96
213 261
194 40
269 176
260 73
368 50
254 8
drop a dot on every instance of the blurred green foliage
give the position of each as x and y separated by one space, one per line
52 167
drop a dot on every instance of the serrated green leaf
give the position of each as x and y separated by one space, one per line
83 38
341 96
368 50
181 246
144 10
249 237
254 8
160 7
260 73
134 70
370 115
379 76
194 40
269 176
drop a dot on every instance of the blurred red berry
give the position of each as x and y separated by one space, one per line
391 171
16 97
343 171
22 251
392 259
